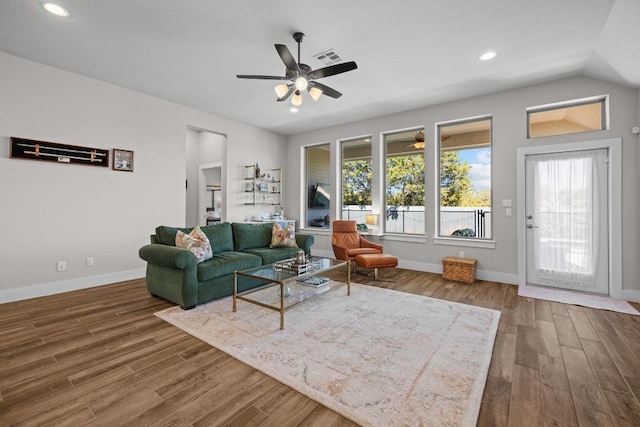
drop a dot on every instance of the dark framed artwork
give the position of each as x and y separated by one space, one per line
122 160
31 149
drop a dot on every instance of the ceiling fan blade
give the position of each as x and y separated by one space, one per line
326 90
287 58
332 70
251 76
288 94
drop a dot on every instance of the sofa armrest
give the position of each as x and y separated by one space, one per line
168 256
304 241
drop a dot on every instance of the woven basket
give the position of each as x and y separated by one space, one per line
459 269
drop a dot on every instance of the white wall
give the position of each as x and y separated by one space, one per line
509 132
54 212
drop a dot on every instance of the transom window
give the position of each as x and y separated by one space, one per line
584 115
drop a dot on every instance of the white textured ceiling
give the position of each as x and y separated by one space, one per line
410 53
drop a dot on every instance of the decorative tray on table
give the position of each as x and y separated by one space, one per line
296 268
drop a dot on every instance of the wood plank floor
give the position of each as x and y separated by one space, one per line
100 357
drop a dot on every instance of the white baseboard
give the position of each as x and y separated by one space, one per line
632 295
41 290
493 276
44 289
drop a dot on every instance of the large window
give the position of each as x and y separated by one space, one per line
465 179
404 182
318 190
583 115
356 179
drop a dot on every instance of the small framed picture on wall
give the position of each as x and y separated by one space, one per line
122 160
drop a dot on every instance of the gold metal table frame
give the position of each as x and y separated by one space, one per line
266 295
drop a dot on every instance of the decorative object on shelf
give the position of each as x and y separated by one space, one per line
31 149
257 171
122 160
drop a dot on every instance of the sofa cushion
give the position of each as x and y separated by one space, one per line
224 263
167 235
220 236
271 255
283 236
247 236
196 242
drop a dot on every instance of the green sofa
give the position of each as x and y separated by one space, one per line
174 274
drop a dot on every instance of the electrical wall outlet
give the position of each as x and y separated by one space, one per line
461 254
62 266
89 262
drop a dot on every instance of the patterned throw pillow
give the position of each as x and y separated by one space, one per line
283 237
196 242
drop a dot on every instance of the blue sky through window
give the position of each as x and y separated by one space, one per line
480 160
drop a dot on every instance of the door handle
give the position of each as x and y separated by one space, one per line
531 226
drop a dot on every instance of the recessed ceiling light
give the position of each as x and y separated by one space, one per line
57 10
487 56
293 110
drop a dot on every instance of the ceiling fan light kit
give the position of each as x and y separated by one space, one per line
301 83
302 76
296 99
315 93
281 90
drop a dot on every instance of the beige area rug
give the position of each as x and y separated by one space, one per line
577 298
378 357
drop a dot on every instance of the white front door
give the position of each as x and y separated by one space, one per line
566 208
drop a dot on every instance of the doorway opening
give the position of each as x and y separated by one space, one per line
205 174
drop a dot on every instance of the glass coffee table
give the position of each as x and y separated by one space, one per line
281 289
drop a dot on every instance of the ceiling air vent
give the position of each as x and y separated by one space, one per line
328 57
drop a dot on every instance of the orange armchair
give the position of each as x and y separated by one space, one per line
347 243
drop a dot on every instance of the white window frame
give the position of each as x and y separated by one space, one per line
458 241
383 169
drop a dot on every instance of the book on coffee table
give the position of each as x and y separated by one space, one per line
315 281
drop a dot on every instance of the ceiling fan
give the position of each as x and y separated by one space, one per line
301 76
419 140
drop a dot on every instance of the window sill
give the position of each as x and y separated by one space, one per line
469 243
314 230
403 238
